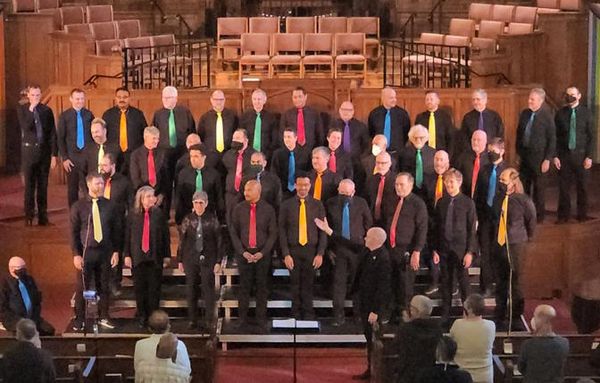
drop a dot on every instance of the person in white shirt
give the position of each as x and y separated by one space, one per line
164 368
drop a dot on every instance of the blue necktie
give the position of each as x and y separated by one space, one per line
387 127
291 172
80 142
346 220
492 187
527 134
25 296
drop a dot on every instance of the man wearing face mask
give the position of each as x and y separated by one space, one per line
350 218
390 120
487 188
470 162
94 152
260 124
574 145
379 188
379 144
515 226
20 298
288 160
269 182
416 158
237 163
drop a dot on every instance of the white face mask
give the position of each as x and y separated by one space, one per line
375 150
532 323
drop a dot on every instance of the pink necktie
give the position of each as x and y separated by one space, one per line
238 171
332 162
252 228
151 169
146 233
300 125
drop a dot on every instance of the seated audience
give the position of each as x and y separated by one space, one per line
164 368
445 370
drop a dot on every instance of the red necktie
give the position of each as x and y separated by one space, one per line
300 126
395 222
332 162
151 169
146 233
252 228
238 171
379 197
475 174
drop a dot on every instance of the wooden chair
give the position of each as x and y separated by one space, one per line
550 4
99 13
229 32
462 27
80 29
255 51
519 28
318 52
301 24
264 24
414 65
525 15
20 6
47 6
490 29
128 28
349 49
480 11
103 31
504 13
69 15
286 52
333 24
483 46
370 27
108 47
570 5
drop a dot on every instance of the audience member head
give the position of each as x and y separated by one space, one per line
199 202
258 162
543 316
302 184
479 99
334 138
496 150
217 101
388 98
252 191
418 136
441 162
299 97
509 182
290 138
383 163
239 140
259 99
404 184
474 306
479 141
169 97
27 332
536 99
452 181
446 350
107 165
320 158
346 187
346 111
572 96
375 238
167 347
151 137
98 131
420 307
197 156
34 94
159 322
144 199
95 184
192 139
378 144
77 98
17 267
432 100
122 98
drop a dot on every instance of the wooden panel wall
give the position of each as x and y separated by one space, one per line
2 93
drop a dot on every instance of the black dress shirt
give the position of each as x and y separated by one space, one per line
399 127
343 163
29 131
138 169
186 187
212 161
136 123
288 225
121 193
329 184
368 163
430 182
160 240
67 135
211 240
360 217
542 143
374 280
280 162
313 126
25 363
207 128
230 164
584 131
184 125
82 228
389 191
407 159
521 220
90 154
444 128
465 163
464 217
270 187
360 141
484 211
12 307
266 228
492 125
268 130
411 229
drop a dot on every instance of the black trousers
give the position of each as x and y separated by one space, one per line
426 260
367 331
403 279
257 275
534 184
147 278
503 267
302 278
94 276
200 278
35 165
585 314
452 270
75 184
344 272
572 172
487 238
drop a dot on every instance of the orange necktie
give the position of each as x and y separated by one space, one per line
302 228
107 188
123 132
439 188
395 222
318 186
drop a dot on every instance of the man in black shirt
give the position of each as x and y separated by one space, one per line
73 136
480 118
416 158
324 182
390 120
470 162
437 121
94 152
148 164
306 121
302 244
212 159
216 126
269 182
253 231
574 145
339 161
125 125
261 125
39 153
379 188
379 144
288 160
236 162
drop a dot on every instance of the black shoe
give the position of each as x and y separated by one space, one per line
44 222
364 376
585 218
115 291
78 324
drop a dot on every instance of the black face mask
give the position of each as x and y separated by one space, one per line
236 145
493 156
255 169
569 99
502 188
346 199
21 273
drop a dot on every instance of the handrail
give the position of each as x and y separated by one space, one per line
437 6
94 77
164 17
409 22
182 21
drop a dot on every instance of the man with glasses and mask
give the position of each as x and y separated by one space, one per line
236 162
269 182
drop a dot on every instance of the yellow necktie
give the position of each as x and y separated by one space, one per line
220 140
318 186
503 222
100 157
123 132
439 188
431 130
302 229
96 221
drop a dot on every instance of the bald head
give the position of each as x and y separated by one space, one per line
479 141
15 264
159 322
383 163
441 162
388 98
346 111
192 139
543 315
217 100
375 238
421 306
346 187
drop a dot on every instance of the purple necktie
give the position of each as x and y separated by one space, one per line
346 138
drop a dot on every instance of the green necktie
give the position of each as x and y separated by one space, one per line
419 169
257 132
172 133
573 130
198 180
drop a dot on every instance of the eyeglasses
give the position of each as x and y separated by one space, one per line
199 202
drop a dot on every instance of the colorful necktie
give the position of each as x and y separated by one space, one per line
172 130
96 221
573 130
256 142
302 228
346 220
151 169
123 132
395 222
199 245
432 131
291 183
439 188
346 138
100 157
332 165
238 171
220 136
25 296
379 197
146 232
419 169
80 139
39 131
107 188
387 127
199 185
492 187
318 186
475 174
449 224
527 133
252 228
503 222
480 121
300 125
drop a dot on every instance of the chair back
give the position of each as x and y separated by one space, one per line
301 24
264 25
333 24
99 13
255 44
